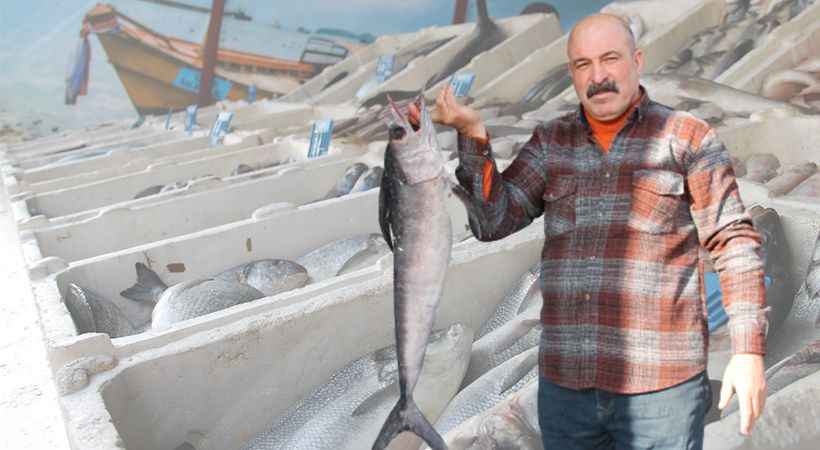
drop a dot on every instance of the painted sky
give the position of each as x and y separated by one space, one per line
37 38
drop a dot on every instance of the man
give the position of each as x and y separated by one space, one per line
630 190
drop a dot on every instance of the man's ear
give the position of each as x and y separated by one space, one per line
638 55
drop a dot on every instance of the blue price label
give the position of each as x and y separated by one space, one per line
384 67
221 127
462 83
320 138
251 93
190 117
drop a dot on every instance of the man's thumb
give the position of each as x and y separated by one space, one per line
725 393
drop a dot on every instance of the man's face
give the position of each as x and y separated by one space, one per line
605 69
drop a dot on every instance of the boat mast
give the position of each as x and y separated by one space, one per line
460 12
209 53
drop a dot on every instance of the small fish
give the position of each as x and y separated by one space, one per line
365 258
369 180
326 261
269 276
94 314
188 299
522 295
347 181
518 335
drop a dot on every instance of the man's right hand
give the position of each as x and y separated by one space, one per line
450 113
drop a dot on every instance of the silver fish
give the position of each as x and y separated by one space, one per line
790 178
511 424
348 180
269 276
808 188
672 89
416 225
761 167
525 293
369 180
802 325
188 299
488 390
347 411
365 258
327 260
519 334
94 314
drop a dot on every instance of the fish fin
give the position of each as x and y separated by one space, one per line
147 283
406 416
386 202
376 399
529 359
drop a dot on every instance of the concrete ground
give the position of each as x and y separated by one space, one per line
29 413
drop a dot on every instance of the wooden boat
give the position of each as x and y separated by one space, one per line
161 72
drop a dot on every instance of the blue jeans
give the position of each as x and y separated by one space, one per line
591 419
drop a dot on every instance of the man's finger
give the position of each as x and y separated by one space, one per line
725 394
745 402
413 114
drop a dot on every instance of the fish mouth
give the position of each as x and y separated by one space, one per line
398 118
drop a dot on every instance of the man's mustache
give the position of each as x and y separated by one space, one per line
606 86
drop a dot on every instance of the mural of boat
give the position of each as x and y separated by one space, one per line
162 72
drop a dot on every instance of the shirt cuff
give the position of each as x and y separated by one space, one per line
748 327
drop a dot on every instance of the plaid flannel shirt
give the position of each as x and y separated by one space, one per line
621 277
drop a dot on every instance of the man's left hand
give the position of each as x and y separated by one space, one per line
745 376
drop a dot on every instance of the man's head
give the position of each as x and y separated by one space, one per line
605 65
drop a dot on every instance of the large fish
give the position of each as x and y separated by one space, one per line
484 36
188 299
487 391
94 314
416 225
269 276
346 412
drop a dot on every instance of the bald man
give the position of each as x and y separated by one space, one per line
630 191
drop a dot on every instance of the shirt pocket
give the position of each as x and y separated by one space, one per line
559 206
657 201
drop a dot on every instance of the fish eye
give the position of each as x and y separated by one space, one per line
397 132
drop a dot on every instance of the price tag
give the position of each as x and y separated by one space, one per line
190 117
320 138
462 83
221 127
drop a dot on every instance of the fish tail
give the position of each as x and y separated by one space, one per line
406 416
147 287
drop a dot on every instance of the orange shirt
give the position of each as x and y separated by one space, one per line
605 132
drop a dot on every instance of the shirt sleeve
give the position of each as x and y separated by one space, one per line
501 203
726 230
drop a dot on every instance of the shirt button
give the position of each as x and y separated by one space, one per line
592 258
607 175
587 296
